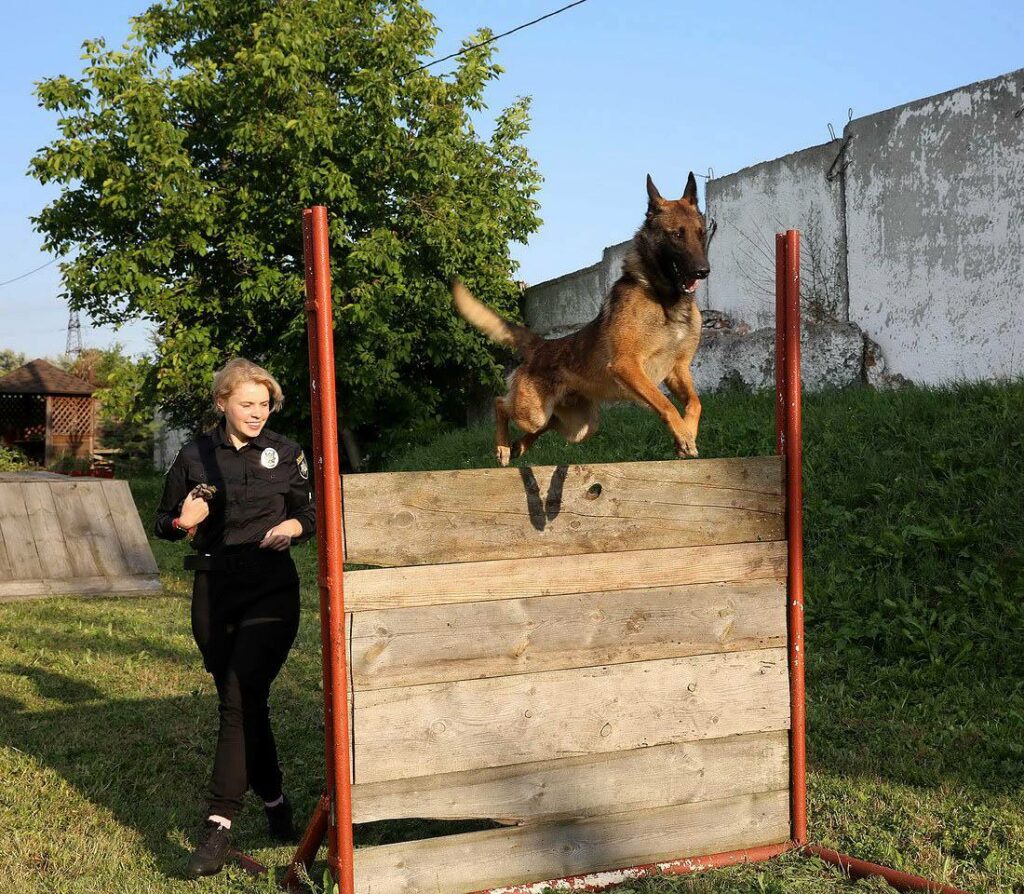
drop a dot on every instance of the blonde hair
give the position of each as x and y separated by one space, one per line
238 371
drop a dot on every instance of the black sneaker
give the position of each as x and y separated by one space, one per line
211 854
279 821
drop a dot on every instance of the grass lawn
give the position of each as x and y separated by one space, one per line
915 635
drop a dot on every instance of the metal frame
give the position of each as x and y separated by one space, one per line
332 816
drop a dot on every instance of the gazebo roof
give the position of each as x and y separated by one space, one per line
42 377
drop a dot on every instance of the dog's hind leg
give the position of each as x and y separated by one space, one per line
530 409
521 445
577 421
501 437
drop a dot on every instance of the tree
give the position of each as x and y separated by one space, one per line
10 360
185 159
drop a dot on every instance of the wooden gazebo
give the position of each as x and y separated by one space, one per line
47 413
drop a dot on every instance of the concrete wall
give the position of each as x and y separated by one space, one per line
935 230
912 230
167 441
750 207
563 305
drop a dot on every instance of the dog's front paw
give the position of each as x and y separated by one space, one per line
686 448
504 454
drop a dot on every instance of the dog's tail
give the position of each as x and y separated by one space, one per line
478 314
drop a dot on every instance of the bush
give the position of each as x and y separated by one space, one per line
13 460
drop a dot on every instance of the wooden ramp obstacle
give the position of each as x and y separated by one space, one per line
69 536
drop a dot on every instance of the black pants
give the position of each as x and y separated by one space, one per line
244 622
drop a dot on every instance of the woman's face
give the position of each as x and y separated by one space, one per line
246 410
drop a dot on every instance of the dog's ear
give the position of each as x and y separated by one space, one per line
690 193
654 199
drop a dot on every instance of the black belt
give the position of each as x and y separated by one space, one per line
232 559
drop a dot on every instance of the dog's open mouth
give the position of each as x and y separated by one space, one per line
686 286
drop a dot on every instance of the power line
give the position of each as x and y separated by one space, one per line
23 275
494 38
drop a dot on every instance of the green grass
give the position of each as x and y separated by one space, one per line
915 636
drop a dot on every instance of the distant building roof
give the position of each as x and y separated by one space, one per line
42 377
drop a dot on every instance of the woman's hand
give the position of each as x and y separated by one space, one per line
280 536
193 511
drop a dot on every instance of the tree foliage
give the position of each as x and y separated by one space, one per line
125 393
10 360
186 156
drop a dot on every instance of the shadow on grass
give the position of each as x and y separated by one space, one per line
131 756
147 762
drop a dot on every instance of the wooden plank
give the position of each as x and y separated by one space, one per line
88 507
6 570
472 724
46 531
124 515
595 785
458 864
413 518
16 532
73 517
555 575
40 588
405 647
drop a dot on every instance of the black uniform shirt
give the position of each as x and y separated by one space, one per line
258 486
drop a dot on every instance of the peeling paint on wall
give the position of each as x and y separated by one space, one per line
754 204
935 232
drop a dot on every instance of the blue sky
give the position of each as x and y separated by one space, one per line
619 89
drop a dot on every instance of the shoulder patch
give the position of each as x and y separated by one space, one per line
303 465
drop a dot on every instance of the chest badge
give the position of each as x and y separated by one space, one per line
269 458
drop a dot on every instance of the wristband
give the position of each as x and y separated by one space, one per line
189 532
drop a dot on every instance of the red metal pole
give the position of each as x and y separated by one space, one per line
728 858
901 881
331 560
306 852
780 343
790 442
598 881
795 537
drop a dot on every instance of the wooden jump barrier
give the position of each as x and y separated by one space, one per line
609 658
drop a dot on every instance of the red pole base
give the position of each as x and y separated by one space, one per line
306 852
901 881
247 863
599 881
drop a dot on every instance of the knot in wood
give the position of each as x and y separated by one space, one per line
404 518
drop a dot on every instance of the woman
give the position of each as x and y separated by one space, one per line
245 597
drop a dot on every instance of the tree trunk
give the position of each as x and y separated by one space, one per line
348 443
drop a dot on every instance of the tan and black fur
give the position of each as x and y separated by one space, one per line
646 333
